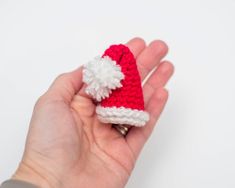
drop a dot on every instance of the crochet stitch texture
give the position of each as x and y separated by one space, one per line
130 95
114 82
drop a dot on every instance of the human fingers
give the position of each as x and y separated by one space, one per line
151 57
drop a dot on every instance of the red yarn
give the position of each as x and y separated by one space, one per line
130 95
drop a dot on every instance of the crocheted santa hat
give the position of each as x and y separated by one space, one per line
114 82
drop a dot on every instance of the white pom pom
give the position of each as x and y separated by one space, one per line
102 75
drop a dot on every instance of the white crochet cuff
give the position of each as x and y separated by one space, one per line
122 115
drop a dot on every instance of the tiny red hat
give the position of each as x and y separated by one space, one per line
114 82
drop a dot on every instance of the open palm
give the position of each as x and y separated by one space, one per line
67 146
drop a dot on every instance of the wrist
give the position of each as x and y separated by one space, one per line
34 176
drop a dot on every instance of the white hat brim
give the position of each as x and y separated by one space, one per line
122 115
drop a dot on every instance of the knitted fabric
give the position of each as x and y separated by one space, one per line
130 94
114 82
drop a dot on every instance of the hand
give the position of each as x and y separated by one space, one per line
68 147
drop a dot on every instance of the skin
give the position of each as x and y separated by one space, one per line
66 144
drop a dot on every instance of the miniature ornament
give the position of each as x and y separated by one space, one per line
114 82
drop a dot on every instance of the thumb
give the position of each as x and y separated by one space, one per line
66 85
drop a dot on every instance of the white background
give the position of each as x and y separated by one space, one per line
194 143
